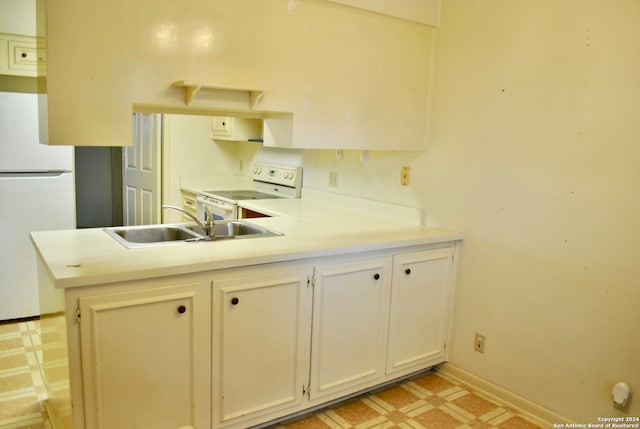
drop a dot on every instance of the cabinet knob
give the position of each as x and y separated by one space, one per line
235 300
407 271
23 55
376 276
182 309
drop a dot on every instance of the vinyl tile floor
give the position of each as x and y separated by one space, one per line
430 401
21 388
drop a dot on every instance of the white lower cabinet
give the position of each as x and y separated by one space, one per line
350 317
420 309
146 356
242 346
261 341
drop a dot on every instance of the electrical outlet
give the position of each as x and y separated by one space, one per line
479 343
333 179
404 176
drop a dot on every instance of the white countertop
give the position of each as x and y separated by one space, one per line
311 229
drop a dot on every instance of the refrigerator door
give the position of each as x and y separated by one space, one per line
28 203
20 148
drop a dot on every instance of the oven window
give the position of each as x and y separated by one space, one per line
214 215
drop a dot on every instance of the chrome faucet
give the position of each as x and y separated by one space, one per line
208 226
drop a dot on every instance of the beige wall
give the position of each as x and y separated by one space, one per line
535 155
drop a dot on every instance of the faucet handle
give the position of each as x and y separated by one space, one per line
209 216
209 223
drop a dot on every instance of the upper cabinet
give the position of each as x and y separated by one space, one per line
22 55
229 128
320 74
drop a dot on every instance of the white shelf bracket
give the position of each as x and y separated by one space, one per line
255 97
190 93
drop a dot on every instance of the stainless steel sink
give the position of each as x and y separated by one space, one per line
153 233
160 235
235 229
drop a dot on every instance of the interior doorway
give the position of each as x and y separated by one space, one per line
98 177
141 171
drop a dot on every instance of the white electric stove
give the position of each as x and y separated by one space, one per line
269 181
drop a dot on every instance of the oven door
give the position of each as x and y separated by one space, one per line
220 210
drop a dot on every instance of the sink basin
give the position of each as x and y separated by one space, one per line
154 233
159 235
235 229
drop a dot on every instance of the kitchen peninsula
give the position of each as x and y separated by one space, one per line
235 333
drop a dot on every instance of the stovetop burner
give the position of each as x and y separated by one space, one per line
243 194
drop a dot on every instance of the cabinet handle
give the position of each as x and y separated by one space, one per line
376 276
235 300
407 271
182 309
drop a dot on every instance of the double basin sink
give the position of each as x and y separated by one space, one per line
159 235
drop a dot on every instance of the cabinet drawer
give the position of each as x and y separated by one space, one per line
189 203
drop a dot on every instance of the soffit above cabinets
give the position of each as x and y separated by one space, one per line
321 75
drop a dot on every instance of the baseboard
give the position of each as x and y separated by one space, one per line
538 414
52 421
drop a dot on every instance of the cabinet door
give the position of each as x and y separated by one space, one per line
236 129
420 309
350 319
146 358
262 328
22 55
222 126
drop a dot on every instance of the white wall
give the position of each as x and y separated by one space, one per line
377 178
535 155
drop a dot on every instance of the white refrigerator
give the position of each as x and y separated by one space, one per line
36 194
